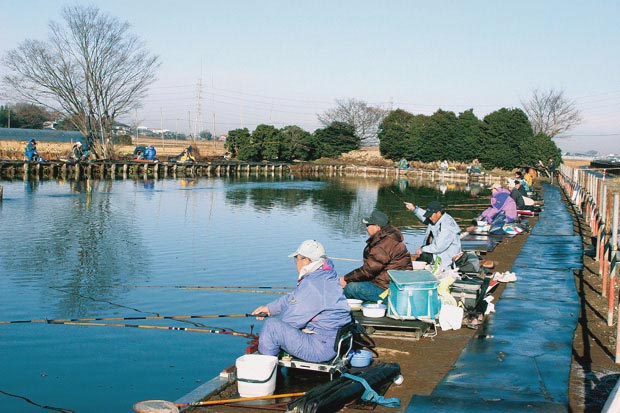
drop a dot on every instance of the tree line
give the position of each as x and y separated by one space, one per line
291 143
502 139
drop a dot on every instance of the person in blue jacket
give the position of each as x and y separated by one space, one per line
31 151
309 317
150 153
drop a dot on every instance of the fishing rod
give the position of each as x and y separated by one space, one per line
163 406
194 287
190 329
154 317
396 195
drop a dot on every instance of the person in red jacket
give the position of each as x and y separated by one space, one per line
385 250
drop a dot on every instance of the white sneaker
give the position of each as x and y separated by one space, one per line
505 277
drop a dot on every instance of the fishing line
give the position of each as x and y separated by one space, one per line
163 406
188 287
102 301
58 409
156 317
227 331
120 305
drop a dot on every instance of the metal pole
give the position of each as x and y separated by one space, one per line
602 270
612 274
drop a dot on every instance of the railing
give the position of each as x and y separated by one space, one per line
598 199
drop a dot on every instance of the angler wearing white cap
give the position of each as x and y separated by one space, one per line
311 315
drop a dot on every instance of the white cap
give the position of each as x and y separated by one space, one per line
310 249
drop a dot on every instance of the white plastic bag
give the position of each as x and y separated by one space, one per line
450 317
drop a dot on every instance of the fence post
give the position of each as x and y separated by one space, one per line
603 239
614 253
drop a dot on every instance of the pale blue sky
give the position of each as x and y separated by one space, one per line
282 62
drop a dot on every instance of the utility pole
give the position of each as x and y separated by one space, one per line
161 125
198 106
136 122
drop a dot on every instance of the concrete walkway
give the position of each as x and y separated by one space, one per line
520 359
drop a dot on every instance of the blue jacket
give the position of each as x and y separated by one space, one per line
317 303
31 151
446 237
150 153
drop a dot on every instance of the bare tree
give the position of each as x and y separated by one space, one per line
91 69
365 119
551 113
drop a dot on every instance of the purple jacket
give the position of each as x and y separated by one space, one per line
501 201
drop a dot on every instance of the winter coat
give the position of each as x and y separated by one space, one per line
31 152
446 243
501 201
516 195
384 251
317 304
150 153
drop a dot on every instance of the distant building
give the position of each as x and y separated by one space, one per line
121 129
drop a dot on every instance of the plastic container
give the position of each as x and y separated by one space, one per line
256 375
361 358
355 304
413 295
374 310
419 265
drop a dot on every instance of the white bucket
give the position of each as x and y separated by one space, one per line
256 375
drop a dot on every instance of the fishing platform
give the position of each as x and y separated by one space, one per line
124 169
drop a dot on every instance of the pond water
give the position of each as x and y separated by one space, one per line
126 249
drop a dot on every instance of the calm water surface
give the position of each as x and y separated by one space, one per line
123 248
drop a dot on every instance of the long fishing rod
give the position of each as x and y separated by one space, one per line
154 406
154 317
193 287
190 329
396 195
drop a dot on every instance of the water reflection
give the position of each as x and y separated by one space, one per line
94 248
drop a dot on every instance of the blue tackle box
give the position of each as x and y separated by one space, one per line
413 295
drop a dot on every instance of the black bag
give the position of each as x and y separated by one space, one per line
468 262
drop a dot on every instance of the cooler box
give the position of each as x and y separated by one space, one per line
467 291
413 295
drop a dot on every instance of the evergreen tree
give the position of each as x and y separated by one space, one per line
335 139
237 138
266 143
505 132
297 144
399 135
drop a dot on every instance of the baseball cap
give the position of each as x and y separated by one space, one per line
310 249
432 207
376 218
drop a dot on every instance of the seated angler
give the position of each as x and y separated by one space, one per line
385 250
500 202
311 315
442 241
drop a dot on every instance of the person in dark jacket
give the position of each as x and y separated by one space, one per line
517 195
385 250
551 170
